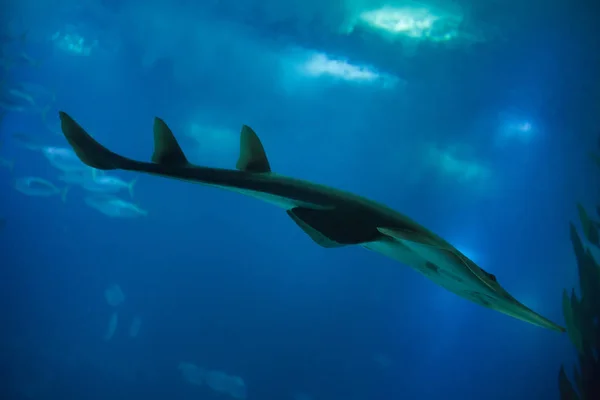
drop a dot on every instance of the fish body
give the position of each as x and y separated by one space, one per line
114 207
27 141
34 186
63 158
108 184
76 177
330 217
8 164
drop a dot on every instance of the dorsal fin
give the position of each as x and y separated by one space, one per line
252 153
166 148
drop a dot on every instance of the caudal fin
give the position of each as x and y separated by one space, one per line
89 151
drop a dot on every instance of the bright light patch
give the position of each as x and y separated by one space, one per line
215 138
524 127
515 130
413 22
213 144
462 170
320 64
73 43
457 164
471 255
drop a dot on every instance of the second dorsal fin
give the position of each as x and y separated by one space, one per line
166 148
252 153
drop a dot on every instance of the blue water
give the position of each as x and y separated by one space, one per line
229 283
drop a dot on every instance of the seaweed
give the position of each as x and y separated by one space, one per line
582 313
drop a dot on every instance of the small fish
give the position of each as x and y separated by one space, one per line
27 59
115 207
23 96
7 164
34 186
63 158
42 96
114 295
52 124
11 107
76 177
192 373
134 328
27 141
27 97
108 184
112 326
220 382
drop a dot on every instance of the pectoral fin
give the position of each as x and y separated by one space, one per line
314 234
333 227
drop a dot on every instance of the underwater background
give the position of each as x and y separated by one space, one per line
472 118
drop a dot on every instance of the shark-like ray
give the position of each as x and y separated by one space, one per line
330 217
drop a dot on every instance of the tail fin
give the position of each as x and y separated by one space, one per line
89 151
130 186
